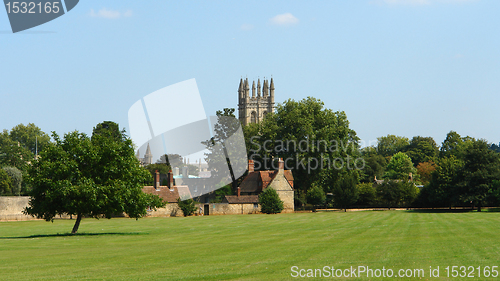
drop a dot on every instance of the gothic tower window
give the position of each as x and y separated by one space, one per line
253 118
254 104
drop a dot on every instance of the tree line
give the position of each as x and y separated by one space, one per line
396 172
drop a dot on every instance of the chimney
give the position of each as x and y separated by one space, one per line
185 172
375 179
281 165
250 166
157 180
239 191
170 179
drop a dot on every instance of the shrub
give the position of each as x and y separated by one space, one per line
367 194
16 179
5 183
187 206
397 193
316 196
270 202
344 191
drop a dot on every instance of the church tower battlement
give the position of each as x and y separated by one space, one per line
252 108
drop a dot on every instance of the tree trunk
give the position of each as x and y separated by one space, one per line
77 224
479 207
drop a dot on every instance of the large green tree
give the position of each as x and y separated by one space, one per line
12 153
399 167
443 187
480 170
391 144
109 129
422 149
374 164
97 177
30 137
309 137
18 148
455 145
345 191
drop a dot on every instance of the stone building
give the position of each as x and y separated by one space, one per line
255 182
252 108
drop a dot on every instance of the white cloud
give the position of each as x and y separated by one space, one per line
246 27
127 13
284 19
109 14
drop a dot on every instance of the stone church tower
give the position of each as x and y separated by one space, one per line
253 108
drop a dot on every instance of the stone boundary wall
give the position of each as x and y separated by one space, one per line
170 210
11 208
173 210
231 209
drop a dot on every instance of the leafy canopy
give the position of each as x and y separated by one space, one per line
391 144
97 177
400 166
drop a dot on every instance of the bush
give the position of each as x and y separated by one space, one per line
344 191
5 183
16 179
397 193
187 206
270 202
316 196
367 194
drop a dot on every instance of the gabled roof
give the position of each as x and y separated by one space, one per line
169 195
242 199
251 183
259 180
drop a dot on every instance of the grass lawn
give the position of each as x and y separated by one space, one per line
249 247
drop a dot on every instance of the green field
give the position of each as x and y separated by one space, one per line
249 247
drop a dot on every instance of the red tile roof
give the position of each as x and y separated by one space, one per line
169 195
257 181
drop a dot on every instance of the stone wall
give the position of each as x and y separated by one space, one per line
11 208
170 210
231 209
284 190
173 210
287 197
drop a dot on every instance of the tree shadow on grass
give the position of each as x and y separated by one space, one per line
447 210
76 234
439 211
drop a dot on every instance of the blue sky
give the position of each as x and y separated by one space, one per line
414 67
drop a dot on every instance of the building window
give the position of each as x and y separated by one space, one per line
253 118
255 205
264 114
